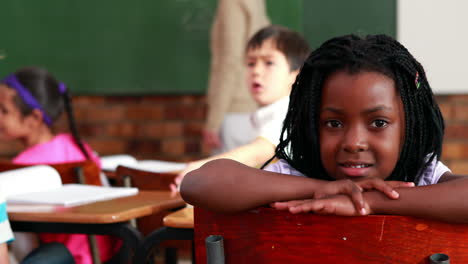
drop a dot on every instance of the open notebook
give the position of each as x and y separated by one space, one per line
42 185
110 163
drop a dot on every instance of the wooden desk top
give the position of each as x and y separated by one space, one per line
104 212
182 218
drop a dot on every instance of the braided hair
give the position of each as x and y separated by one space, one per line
45 89
424 126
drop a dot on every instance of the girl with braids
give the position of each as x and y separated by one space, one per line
361 109
31 99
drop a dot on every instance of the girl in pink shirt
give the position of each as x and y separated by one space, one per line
31 99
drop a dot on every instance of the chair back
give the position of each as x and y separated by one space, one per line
145 180
86 172
266 235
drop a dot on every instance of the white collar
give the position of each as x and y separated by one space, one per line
267 112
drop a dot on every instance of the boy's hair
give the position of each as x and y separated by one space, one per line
45 89
424 125
293 46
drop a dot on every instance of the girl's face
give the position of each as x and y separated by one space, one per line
12 123
361 125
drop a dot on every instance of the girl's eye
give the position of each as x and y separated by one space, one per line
379 123
250 64
270 63
333 123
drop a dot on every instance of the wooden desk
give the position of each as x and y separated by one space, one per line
182 218
101 218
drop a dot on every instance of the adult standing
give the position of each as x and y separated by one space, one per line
229 102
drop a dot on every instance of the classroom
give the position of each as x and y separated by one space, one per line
139 71
161 117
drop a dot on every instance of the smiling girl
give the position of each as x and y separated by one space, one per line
362 111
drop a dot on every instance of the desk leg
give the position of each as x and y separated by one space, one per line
130 236
156 237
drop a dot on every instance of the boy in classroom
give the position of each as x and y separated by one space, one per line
273 57
31 99
229 102
361 113
52 253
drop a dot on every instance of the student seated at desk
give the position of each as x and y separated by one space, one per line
52 253
361 112
31 99
273 58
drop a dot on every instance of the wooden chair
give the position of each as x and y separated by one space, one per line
145 180
266 235
86 172
177 226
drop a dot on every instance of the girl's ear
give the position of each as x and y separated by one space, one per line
34 119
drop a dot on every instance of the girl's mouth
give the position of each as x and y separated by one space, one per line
357 166
355 169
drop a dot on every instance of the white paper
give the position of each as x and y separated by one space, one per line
110 163
158 166
29 179
71 195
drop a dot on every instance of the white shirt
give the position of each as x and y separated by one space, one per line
268 120
431 175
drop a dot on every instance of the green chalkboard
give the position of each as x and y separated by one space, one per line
325 19
111 46
117 47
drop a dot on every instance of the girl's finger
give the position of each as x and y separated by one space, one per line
355 192
317 206
400 184
287 205
382 186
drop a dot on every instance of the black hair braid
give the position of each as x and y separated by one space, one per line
71 123
424 127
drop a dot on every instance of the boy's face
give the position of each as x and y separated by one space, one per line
268 74
361 125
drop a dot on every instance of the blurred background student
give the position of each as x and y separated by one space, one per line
229 102
273 58
31 100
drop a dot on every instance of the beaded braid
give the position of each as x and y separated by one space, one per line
424 125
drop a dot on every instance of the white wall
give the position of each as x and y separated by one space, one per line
436 33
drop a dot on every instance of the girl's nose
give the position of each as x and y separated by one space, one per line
355 140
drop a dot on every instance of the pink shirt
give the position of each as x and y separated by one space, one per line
62 149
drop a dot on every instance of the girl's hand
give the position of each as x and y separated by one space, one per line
354 190
334 204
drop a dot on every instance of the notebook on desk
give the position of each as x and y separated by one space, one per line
110 163
42 185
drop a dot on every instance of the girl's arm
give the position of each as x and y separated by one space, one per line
253 154
445 201
228 186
